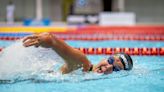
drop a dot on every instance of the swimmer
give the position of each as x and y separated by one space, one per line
75 59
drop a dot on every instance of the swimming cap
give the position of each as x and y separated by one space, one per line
126 61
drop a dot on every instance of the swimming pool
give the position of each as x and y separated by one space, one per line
146 76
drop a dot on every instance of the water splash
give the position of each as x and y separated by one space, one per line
17 61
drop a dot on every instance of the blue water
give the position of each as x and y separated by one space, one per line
146 76
104 43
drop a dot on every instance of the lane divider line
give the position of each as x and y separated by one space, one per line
95 38
131 51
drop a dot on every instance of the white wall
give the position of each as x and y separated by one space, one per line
52 9
147 11
23 8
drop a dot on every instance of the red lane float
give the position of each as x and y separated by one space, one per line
161 51
154 51
131 51
10 38
100 51
135 51
97 38
106 36
108 51
127 50
124 29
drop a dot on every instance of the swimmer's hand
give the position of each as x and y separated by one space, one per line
103 67
42 39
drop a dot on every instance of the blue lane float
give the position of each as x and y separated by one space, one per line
14 34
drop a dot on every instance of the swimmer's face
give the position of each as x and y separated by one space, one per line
106 68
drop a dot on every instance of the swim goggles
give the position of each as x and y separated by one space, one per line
111 61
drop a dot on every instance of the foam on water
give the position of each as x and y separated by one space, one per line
18 61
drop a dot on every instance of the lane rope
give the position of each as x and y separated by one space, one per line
131 51
96 38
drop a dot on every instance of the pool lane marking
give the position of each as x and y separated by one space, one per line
131 51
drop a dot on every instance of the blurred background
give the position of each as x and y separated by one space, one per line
81 12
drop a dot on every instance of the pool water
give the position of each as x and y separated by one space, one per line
146 76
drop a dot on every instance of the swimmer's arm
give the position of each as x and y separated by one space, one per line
74 59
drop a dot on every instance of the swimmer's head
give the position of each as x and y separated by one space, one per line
116 62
